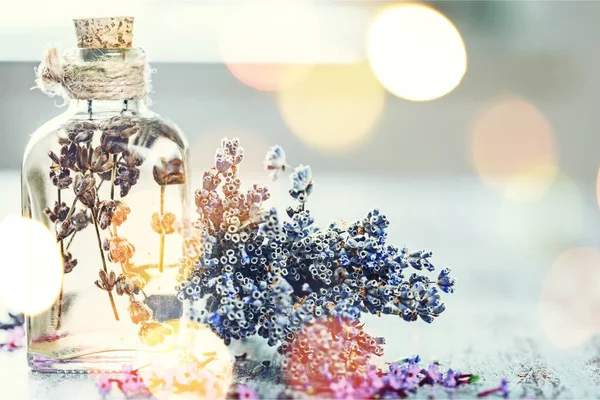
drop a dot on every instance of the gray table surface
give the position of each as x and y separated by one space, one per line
500 252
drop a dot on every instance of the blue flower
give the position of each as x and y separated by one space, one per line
259 274
275 161
445 282
302 183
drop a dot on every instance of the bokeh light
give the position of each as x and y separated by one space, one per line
570 298
513 149
200 367
270 77
335 107
416 52
31 268
270 46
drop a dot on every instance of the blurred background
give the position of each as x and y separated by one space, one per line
473 124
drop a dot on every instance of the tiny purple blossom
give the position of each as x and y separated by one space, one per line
503 390
433 373
451 378
411 375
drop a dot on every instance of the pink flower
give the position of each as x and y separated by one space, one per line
131 384
104 384
16 338
246 393
342 389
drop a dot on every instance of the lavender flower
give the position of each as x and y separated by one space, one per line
403 378
275 161
80 131
260 274
326 353
502 390
302 183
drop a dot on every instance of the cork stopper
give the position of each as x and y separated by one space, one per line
104 33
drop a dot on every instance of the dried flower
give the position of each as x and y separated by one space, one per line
139 312
164 224
126 178
230 154
64 229
132 158
154 333
69 262
120 213
105 212
81 131
328 350
502 390
125 127
260 275
275 161
211 179
113 142
445 282
115 134
85 189
61 179
60 173
171 172
120 250
402 379
129 283
58 213
107 281
101 161
302 183
68 156
80 220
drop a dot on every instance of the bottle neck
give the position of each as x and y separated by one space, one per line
106 107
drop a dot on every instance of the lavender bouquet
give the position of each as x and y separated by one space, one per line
251 273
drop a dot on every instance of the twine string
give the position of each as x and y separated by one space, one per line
102 79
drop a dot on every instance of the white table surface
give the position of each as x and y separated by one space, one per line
500 253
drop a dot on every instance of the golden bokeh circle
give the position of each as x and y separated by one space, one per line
416 52
335 107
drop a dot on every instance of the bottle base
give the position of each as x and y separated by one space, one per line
110 361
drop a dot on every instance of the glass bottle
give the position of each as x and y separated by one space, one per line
110 177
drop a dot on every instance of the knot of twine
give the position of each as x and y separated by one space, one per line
103 79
